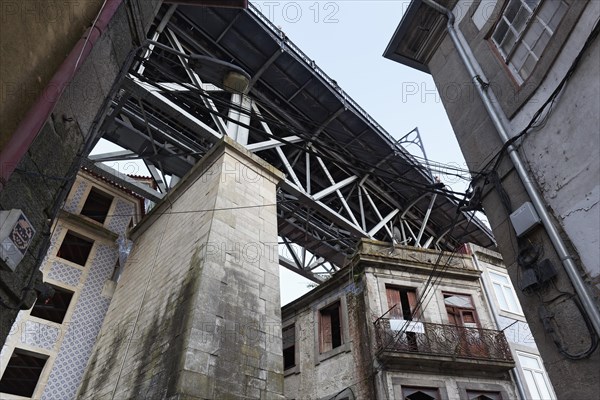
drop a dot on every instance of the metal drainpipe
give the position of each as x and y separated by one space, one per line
494 114
38 114
486 290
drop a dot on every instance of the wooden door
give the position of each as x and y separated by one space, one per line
463 315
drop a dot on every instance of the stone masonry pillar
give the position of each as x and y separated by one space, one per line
196 312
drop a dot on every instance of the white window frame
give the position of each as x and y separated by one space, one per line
506 289
532 9
539 376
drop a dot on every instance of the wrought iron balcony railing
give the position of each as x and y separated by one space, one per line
431 339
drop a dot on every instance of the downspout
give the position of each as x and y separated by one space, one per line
486 289
38 114
503 132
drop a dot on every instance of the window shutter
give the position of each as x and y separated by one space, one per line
393 298
412 303
453 318
326 337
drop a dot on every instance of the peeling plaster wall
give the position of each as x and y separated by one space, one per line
319 376
363 299
563 156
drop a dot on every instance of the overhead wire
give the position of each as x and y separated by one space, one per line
433 277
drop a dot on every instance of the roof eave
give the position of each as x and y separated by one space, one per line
418 18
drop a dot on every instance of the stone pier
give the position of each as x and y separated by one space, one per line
196 313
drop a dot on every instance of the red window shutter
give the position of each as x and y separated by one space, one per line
393 298
412 303
453 317
325 332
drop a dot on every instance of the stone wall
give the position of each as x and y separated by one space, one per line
196 313
354 368
321 376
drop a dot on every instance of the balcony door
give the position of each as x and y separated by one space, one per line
462 313
402 303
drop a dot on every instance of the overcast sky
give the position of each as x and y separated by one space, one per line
347 39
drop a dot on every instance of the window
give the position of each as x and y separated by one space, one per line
75 248
460 310
479 395
535 376
330 328
22 373
54 308
461 313
505 293
524 31
289 346
404 300
96 205
420 393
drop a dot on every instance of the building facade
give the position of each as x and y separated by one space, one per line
509 318
398 322
50 344
518 80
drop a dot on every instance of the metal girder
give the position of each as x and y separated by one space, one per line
264 67
289 264
197 81
152 94
113 156
342 176
334 187
239 118
272 143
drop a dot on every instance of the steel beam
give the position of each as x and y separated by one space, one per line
272 143
122 180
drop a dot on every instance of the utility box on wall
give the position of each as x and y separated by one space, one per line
16 234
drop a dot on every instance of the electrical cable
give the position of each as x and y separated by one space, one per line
430 284
547 316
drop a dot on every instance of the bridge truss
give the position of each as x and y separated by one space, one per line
346 177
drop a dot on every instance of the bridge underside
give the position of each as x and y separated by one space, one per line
346 177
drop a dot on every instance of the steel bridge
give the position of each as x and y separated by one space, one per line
346 177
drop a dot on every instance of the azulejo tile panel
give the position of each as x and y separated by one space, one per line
52 247
73 204
65 273
82 330
39 335
121 216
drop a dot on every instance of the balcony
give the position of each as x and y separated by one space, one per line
439 347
